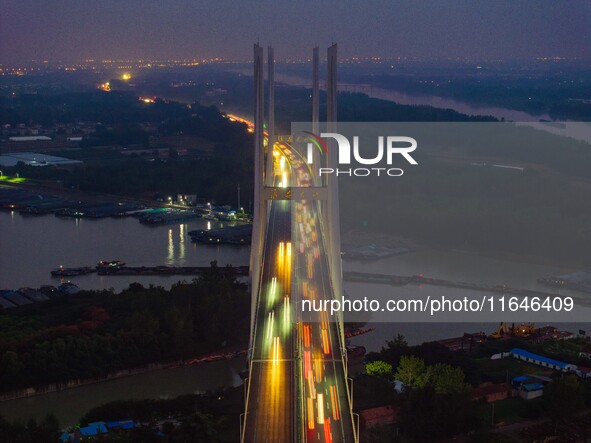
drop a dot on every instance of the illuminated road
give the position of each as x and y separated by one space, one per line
324 394
296 390
270 411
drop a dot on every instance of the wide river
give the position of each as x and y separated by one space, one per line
34 245
31 246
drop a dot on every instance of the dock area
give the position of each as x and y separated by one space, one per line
159 217
234 235
30 202
373 252
576 281
165 270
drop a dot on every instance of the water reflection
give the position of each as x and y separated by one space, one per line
170 258
176 246
39 244
182 243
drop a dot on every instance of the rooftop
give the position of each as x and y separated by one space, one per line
532 387
541 358
34 159
31 138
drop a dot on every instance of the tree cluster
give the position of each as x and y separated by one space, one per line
94 333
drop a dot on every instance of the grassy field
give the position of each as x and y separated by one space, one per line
510 410
505 369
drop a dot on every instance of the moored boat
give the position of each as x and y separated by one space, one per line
110 264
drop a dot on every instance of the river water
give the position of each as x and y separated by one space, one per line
454 266
31 246
71 404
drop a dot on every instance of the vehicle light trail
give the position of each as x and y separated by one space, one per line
310 404
327 433
318 363
311 384
325 344
334 401
270 322
306 336
320 403
276 351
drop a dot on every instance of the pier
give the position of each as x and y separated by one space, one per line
166 270
401 280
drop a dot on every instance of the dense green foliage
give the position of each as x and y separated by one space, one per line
106 108
412 372
96 332
47 431
379 368
564 398
422 359
435 402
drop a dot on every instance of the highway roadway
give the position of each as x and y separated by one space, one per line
296 390
323 390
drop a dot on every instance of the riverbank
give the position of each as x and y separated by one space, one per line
71 404
123 373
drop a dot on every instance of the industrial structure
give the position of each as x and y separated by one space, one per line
297 387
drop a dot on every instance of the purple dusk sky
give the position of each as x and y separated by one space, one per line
167 29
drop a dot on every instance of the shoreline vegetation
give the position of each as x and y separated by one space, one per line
92 335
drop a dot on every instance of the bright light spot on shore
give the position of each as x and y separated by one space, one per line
6 178
126 76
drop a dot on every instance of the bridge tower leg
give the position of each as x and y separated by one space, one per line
315 91
260 206
332 207
271 119
315 112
